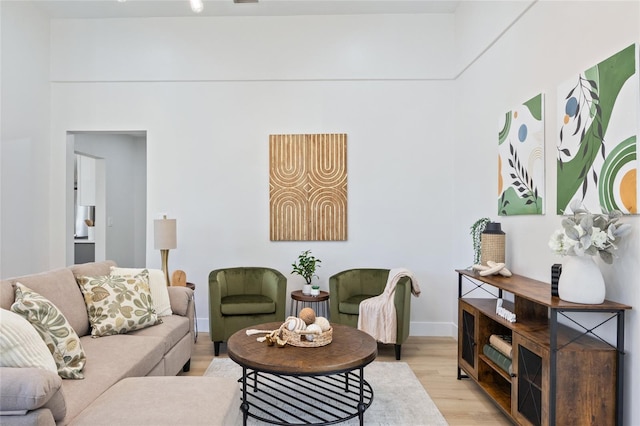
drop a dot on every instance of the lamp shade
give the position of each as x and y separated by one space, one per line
164 231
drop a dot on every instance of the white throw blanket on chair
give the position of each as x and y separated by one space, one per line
377 315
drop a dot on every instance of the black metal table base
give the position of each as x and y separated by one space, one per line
304 400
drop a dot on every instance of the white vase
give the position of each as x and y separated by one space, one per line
581 281
306 289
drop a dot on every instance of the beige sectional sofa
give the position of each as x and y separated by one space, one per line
161 350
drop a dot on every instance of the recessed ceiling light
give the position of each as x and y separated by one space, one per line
197 6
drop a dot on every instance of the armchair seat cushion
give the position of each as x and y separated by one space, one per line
351 305
247 304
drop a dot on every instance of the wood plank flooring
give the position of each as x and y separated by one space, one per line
432 359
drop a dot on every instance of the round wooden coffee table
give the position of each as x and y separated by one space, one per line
296 385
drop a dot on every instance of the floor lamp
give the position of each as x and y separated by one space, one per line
164 231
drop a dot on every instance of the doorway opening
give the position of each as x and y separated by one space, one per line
110 187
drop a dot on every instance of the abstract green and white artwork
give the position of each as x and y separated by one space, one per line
597 150
521 159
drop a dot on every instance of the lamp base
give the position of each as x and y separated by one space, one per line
164 255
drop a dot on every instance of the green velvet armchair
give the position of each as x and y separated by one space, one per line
242 297
349 288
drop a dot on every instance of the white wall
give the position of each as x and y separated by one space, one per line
550 43
479 24
207 137
24 150
253 48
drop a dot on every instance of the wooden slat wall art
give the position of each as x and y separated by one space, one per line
308 187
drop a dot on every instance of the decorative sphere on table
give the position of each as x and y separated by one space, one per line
315 328
294 323
308 315
323 323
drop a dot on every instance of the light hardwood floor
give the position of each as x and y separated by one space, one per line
432 359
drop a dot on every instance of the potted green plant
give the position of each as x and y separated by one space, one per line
476 233
315 290
306 268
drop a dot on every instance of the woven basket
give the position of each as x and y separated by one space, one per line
492 248
299 338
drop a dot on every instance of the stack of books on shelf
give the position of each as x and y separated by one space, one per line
499 351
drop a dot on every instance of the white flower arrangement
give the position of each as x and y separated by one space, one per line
586 233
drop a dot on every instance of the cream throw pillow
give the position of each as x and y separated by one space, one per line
118 304
53 327
21 345
157 284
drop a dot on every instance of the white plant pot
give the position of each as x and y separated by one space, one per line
581 281
306 289
315 292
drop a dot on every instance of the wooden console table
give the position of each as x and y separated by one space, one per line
559 375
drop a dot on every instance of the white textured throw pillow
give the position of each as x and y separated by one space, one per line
21 345
157 285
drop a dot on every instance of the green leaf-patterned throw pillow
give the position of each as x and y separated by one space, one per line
118 304
53 327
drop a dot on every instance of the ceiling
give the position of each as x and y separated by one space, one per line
177 8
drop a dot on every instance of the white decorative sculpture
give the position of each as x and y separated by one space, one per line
504 313
493 268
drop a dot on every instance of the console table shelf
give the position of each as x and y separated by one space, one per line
559 374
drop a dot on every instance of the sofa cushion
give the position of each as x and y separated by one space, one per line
53 327
172 330
247 304
118 304
158 401
110 359
31 388
157 285
21 345
351 306
92 268
60 287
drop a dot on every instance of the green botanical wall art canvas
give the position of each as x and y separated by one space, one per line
521 159
597 151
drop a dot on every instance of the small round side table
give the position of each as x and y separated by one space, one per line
319 303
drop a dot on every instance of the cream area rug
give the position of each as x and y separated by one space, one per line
399 398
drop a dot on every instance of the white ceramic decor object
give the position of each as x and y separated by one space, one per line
581 281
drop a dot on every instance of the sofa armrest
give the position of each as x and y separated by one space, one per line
180 298
183 304
31 388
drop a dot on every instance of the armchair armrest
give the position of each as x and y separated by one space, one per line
274 285
26 389
217 290
402 302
